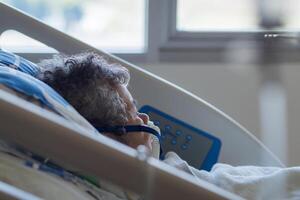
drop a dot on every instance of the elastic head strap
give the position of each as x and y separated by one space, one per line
121 130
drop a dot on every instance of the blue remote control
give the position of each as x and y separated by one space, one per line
200 149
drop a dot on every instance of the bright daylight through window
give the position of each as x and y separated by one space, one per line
112 25
234 15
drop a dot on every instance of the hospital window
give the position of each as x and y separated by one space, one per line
204 30
199 15
112 25
234 15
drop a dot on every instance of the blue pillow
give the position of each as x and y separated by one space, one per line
21 64
30 86
19 74
24 83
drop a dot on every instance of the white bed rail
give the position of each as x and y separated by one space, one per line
9 192
54 137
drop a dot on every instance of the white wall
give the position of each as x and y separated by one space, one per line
291 80
235 90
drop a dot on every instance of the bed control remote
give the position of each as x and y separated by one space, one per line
199 148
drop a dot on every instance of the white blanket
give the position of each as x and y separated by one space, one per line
250 182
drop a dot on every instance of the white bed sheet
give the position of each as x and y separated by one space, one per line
249 182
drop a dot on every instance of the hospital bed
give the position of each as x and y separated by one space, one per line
68 144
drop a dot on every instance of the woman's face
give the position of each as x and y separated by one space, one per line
133 139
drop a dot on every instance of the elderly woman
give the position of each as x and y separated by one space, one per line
98 91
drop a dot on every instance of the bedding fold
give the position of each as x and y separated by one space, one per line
249 182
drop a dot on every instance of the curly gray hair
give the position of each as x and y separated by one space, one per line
88 82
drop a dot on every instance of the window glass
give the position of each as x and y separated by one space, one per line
17 42
197 15
233 15
112 25
292 14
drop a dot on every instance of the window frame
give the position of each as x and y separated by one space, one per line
209 46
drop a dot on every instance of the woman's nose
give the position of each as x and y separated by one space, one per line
144 117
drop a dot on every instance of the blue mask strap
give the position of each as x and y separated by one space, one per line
120 130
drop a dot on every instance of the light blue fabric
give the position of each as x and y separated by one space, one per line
14 61
29 85
12 76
